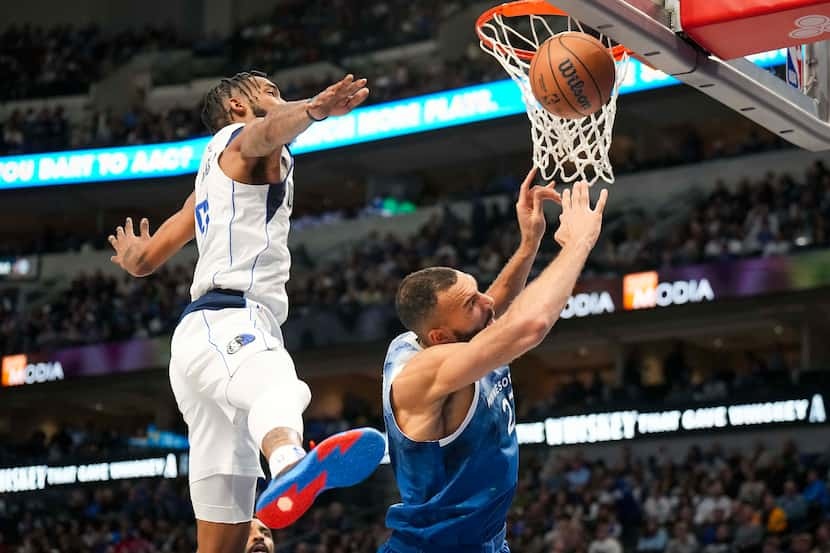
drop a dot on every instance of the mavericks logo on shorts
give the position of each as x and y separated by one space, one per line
239 341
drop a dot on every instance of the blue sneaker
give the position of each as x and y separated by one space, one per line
339 461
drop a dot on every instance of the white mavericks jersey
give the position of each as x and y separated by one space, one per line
242 230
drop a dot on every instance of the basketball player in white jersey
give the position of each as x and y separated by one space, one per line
234 382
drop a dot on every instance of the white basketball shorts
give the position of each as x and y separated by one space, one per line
209 346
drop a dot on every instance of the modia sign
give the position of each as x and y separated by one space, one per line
644 291
17 371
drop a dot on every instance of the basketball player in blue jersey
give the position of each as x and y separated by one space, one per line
234 382
447 394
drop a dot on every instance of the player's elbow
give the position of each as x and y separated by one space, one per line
531 332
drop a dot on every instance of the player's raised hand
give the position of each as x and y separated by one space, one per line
128 245
340 98
530 208
579 223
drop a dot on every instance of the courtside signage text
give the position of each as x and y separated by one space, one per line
17 371
39 477
632 424
382 121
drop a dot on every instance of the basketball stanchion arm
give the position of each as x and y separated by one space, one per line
739 84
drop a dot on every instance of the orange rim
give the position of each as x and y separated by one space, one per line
529 7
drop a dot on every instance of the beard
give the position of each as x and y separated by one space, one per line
467 336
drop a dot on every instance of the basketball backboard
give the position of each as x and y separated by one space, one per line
650 28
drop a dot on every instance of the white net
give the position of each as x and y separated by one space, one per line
565 149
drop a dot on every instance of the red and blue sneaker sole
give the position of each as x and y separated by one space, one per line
339 461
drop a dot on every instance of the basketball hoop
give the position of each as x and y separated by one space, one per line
569 149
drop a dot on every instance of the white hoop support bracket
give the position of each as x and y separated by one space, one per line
802 119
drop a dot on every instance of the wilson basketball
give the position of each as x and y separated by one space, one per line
572 75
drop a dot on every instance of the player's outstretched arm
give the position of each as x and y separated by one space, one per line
438 371
531 217
142 254
282 124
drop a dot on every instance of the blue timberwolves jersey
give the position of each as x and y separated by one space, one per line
456 491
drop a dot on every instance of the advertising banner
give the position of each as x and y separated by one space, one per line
382 121
633 424
39 477
95 360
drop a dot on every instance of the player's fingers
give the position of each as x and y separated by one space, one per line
603 197
111 239
576 194
333 88
535 201
545 193
530 176
327 94
358 98
119 232
144 228
566 200
114 259
354 87
128 226
584 196
345 81
523 189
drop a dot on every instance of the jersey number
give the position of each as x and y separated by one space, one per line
202 217
508 408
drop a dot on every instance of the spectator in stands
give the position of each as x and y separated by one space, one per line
748 533
822 544
816 493
578 474
653 538
722 542
683 540
64 59
774 517
708 532
714 500
752 489
659 506
801 543
604 542
793 504
772 545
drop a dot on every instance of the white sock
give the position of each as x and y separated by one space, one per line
284 456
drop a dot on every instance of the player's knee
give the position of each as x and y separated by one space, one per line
274 410
303 394
268 373
267 387
280 407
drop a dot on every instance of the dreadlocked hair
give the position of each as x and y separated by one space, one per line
215 113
